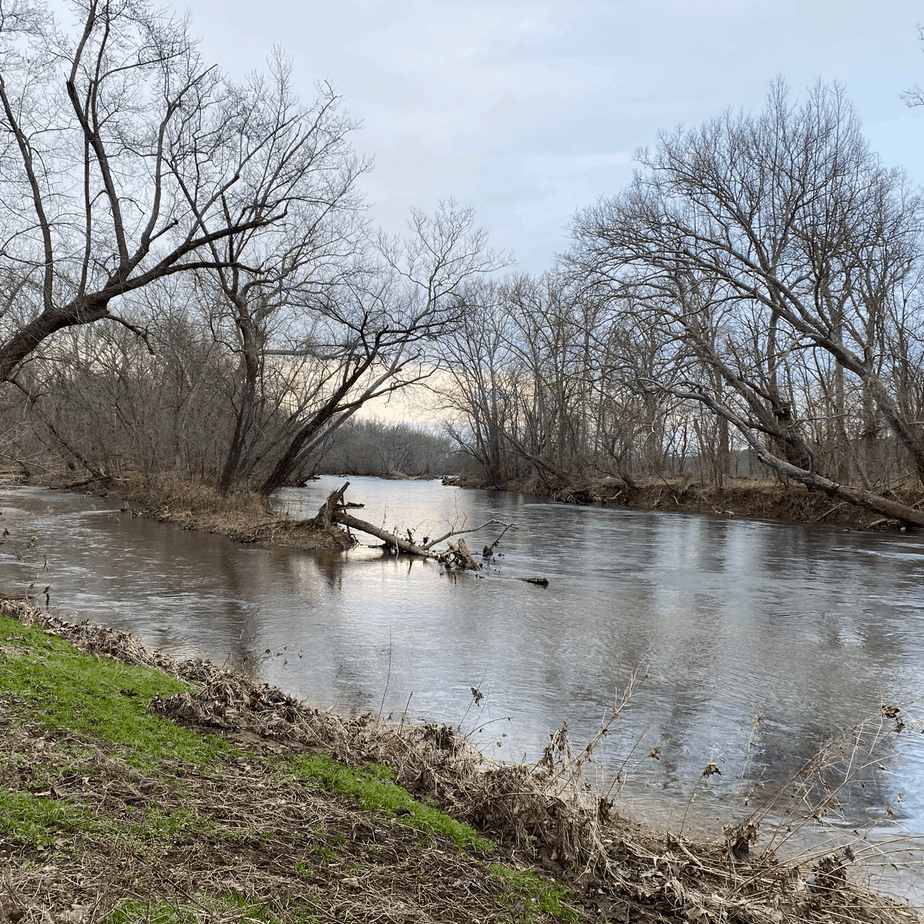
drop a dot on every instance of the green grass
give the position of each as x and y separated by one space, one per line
62 690
204 907
373 789
82 724
132 910
87 705
36 815
39 820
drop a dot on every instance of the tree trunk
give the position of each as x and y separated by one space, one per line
344 519
858 496
454 556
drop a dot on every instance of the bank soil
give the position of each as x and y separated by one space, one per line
748 498
247 518
244 839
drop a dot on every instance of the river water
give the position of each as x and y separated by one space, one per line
760 641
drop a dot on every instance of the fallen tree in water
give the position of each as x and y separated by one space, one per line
455 555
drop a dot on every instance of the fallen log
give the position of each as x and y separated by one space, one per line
456 555
390 539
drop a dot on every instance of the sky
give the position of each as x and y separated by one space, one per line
529 111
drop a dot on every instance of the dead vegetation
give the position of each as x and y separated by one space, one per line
455 555
247 517
379 870
242 517
766 499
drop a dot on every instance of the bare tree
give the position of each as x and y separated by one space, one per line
481 384
548 343
124 160
270 285
374 330
112 402
759 241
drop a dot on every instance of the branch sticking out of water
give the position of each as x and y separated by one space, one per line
456 555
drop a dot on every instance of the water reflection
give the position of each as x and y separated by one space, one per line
761 641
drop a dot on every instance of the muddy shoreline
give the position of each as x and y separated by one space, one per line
745 498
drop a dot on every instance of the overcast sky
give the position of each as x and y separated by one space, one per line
528 111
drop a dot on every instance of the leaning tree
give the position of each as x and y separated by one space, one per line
761 250
124 159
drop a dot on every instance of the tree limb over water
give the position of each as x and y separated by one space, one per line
811 479
455 555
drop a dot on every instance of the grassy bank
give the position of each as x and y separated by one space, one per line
130 793
136 788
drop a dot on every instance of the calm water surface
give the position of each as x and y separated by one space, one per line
761 641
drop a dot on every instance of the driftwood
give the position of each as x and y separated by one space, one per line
463 556
455 555
389 539
332 505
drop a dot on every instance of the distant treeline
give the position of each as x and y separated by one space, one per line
371 447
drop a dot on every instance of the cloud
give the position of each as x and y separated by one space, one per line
527 110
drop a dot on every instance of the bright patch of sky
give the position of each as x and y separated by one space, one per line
530 110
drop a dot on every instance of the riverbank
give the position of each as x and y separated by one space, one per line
138 788
247 518
194 505
739 497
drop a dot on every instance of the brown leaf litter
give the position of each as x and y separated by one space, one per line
376 869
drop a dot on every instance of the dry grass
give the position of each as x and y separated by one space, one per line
740 497
246 517
356 865
242 517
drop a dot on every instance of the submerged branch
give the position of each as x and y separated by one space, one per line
456 554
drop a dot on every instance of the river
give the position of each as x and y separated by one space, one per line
760 641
